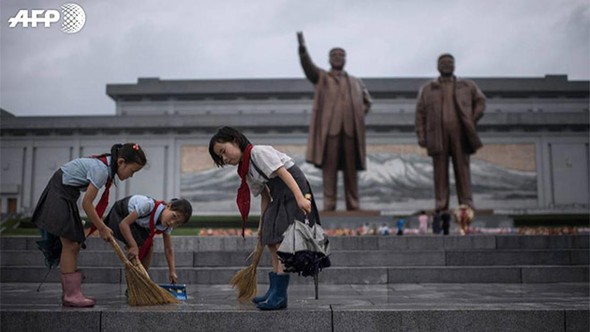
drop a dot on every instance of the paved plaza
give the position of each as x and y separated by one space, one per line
391 307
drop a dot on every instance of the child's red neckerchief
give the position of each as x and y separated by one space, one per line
243 198
153 231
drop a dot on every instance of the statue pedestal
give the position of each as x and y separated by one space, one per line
352 219
484 218
349 214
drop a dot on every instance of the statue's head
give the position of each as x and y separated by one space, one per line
337 58
446 64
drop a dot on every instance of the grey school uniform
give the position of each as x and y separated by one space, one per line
282 209
140 229
57 209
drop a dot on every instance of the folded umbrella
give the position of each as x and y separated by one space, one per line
50 246
305 250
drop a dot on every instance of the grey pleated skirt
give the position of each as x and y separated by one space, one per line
57 210
283 209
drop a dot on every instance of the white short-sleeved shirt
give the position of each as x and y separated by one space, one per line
144 205
83 171
268 161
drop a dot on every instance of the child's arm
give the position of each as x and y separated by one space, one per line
264 200
125 227
91 193
303 203
169 252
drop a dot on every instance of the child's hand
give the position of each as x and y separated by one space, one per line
304 204
172 277
132 252
105 233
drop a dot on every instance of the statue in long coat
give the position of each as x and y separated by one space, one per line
447 111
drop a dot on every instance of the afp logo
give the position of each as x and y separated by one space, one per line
72 15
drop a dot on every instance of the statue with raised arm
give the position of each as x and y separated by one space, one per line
336 138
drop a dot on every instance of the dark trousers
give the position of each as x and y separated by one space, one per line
340 150
452 149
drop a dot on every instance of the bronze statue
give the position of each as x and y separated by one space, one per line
447 111
336 139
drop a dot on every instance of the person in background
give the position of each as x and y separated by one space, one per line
400 226
423 222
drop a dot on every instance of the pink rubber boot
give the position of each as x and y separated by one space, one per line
72 291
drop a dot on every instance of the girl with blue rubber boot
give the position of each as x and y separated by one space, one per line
282 186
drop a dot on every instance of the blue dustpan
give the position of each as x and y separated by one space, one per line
177 290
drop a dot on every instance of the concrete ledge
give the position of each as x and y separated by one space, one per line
545 274
449 320
216 320
577 320
40 320
340 318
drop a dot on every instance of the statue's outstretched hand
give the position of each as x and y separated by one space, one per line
300 39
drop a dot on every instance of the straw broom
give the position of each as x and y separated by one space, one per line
245 280
141 289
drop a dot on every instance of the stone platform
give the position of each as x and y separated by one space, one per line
393 307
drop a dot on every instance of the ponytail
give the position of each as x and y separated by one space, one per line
114 165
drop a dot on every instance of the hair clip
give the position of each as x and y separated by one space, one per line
136 147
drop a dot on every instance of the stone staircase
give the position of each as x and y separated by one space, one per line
365 260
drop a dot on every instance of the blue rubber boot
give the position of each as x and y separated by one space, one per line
278 298
271 278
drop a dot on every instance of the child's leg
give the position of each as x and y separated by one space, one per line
147 259
277 297
71 278
276 264
69 255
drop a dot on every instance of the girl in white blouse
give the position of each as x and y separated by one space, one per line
283 188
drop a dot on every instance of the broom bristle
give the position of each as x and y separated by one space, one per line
245 280
141 290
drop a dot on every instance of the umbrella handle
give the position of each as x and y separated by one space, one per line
294 221
308 197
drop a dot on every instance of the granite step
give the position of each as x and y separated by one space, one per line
355 260
365 275
409 242
350 258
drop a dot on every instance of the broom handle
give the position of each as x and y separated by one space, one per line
118 250
124 259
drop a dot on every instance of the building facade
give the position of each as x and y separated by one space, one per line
535 134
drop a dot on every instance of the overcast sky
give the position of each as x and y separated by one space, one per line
47 72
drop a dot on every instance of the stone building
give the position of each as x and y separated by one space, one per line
535 134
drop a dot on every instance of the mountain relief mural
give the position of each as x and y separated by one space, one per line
394 181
